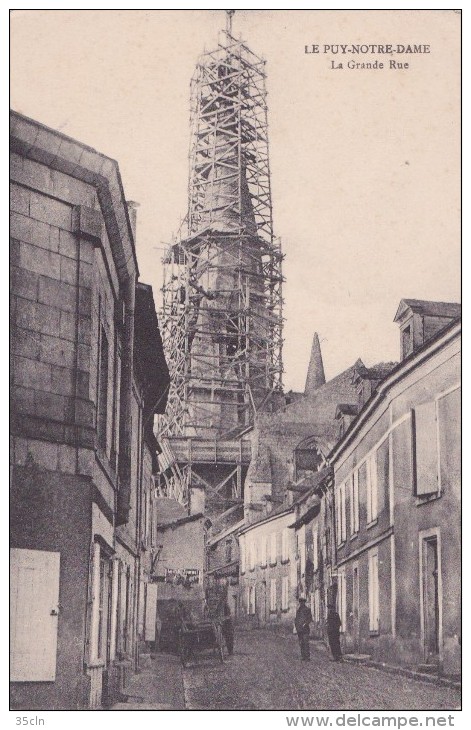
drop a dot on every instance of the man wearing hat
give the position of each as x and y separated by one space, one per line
301 623
333 632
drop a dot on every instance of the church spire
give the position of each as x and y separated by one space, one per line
315 372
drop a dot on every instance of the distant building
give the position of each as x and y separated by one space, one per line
396 490
290 450
88 373
268 570
178 569
222 569
315 548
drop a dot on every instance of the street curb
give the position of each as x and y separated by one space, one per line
393 669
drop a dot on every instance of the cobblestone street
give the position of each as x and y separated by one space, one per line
266 673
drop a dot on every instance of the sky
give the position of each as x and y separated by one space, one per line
365 163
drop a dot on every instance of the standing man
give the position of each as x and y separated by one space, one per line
228 629
301 623
333 633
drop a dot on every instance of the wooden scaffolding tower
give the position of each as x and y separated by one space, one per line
222 294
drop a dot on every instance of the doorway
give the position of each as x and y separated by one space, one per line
356 608
431 597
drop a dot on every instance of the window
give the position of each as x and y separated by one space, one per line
354 503
251 599
102 421
371 489
406 341
273 594
373 590
341 516
285 545
317 605
104 609
252 554
127 629
153 520
327 545
302 550
342 598
315 549
425 448
117 581
382 471
101 606
242 554
116 406
34 596
145 516
114 577
273 549
263 551
285 593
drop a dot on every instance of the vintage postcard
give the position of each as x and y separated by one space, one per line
236 345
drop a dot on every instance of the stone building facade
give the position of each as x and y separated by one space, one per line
80 448
396 490
268 578
288 451
222 570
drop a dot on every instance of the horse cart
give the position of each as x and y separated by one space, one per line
203 639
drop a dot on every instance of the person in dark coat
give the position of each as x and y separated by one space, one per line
333 633
228 629
301 623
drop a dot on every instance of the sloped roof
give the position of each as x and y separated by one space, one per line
169 510
149 357
432 309
375 372
315 373
348 409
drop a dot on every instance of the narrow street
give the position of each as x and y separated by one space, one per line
266 673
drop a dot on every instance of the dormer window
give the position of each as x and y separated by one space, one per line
421 320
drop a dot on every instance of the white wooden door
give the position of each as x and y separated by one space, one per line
34 610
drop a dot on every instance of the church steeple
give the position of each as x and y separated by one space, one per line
315 372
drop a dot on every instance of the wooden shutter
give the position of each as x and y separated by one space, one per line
343 513
284 544
373 590
114 608
449 429
273 594
285 592
273 548
315 549
372 486
34 607
426 452
302 550
242 554
263 551
151 611
342 598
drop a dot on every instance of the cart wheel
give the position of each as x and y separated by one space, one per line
221 654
